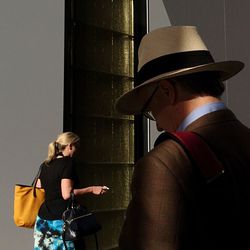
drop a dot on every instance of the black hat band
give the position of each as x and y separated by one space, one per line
173 62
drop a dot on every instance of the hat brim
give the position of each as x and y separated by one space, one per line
131 103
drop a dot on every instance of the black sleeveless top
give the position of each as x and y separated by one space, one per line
51 176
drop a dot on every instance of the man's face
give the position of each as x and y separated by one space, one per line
161 106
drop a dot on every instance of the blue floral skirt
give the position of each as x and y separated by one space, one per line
48 235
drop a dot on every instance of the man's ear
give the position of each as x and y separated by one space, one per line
168 90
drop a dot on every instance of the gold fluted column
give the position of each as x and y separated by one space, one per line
104 69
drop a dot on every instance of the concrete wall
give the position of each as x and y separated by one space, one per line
31 99
223 24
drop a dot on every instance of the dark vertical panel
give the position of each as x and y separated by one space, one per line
140 29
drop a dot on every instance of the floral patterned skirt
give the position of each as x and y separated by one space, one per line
48 235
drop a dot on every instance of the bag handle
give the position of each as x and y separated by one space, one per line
72 200
35 180
201 154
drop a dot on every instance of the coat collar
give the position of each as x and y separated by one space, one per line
219 116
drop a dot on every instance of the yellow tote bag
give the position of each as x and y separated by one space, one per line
27 201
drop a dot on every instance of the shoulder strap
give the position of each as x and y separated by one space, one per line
198 151
35 180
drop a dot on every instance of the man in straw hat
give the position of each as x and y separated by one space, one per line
172 207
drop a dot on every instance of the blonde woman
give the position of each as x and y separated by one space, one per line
57 178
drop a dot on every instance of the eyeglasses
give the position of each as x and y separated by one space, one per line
148 114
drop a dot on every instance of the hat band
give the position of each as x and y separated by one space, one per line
176 61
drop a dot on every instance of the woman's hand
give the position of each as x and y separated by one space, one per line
97 190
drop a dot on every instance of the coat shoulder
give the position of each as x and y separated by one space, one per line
171 156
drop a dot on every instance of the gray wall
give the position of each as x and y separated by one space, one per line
158 17
223 24
31 99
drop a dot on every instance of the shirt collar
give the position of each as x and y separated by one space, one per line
200 111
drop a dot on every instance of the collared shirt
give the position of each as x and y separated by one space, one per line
198 112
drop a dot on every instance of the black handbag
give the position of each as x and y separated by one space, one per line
78 222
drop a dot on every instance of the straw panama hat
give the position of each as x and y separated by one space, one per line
169 52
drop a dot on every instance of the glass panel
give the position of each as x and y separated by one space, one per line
116 15
104 51
116 176
99 88
107 238
106 140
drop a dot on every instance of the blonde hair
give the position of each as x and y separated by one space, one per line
57 146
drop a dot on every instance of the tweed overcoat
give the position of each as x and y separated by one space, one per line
173 208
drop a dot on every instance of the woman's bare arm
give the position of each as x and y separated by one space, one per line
67 186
